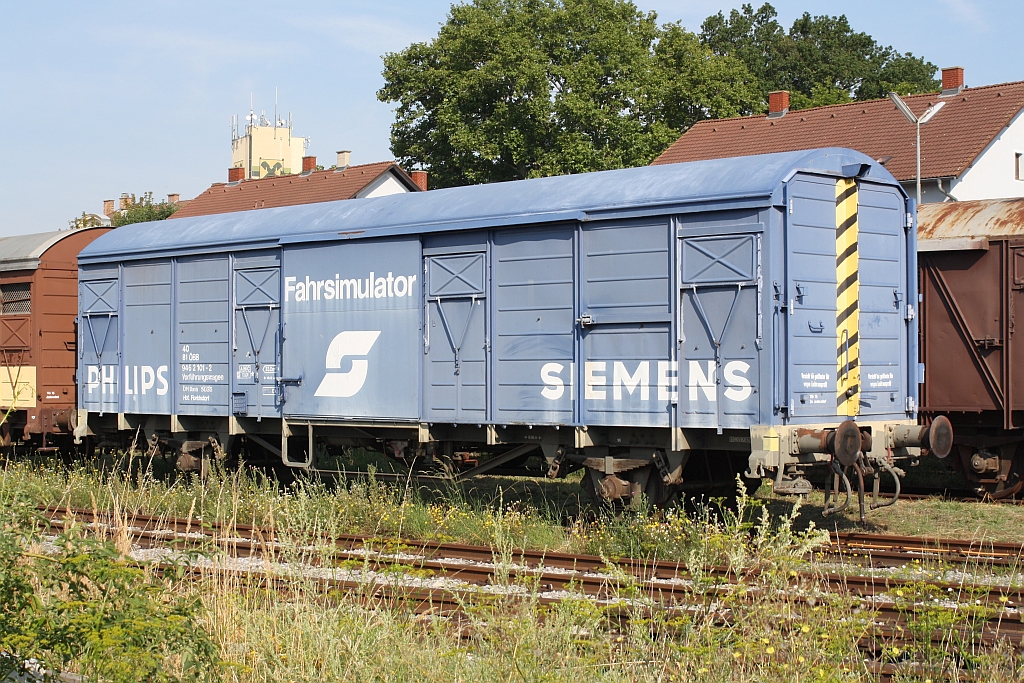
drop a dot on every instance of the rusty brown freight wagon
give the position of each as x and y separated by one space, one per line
971 268
38 305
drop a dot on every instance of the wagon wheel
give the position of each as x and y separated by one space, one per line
1010 479
646 479
658 493
1014 471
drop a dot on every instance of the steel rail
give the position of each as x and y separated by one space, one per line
663 582
891 624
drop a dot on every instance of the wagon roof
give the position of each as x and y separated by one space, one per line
969 220
720 183
23 252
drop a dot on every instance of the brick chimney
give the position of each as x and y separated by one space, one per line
952 80
420 178
108 207
236 174
778 103
344 159
124 202
173 198
308 164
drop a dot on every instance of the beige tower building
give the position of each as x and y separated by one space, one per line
266 148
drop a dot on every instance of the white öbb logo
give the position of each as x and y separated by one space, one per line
345 384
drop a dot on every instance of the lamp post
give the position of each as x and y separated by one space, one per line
924 118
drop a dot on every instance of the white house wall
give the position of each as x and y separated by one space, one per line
992 176
929 192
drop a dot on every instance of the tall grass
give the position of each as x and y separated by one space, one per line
311 633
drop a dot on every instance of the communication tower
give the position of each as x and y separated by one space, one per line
264 147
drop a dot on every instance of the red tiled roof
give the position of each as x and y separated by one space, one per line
289 190
950 142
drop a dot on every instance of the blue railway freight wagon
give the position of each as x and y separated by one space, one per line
664 327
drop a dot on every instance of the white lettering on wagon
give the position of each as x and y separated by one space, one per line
880 380
629 379
138 379
370 287
815 380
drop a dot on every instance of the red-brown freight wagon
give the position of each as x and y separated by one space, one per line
971 268
38 305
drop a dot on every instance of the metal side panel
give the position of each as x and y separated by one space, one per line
203 336
352 340
883 300
720 329
534 313
145 372
455 370
257 338
811 295
16 335
626 323
628 379
964 328
99 341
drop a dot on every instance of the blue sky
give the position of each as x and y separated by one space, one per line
109 97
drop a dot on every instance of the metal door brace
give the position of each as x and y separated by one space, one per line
717 341
256 352
457 348
14 378
98 350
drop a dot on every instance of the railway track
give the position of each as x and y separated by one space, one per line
884 550
447 575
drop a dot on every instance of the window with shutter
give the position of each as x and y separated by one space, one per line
16 298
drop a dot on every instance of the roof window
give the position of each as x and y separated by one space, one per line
1018 172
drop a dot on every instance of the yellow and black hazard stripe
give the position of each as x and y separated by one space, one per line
847 300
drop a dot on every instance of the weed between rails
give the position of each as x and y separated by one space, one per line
309 632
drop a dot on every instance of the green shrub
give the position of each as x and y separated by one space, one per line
75 602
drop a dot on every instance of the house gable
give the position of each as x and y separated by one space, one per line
384 177
383 185
997 172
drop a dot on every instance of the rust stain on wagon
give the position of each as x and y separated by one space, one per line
980 218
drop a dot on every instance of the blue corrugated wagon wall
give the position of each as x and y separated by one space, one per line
665 328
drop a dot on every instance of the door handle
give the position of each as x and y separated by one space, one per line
801 291
817 330
585 320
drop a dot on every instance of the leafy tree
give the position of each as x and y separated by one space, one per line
820 60
142 210
697 84
514 89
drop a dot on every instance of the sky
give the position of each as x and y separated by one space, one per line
103 98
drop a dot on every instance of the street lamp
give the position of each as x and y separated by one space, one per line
925 118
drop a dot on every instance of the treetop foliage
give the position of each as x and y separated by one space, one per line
86 220
142 210
513 89
820 60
